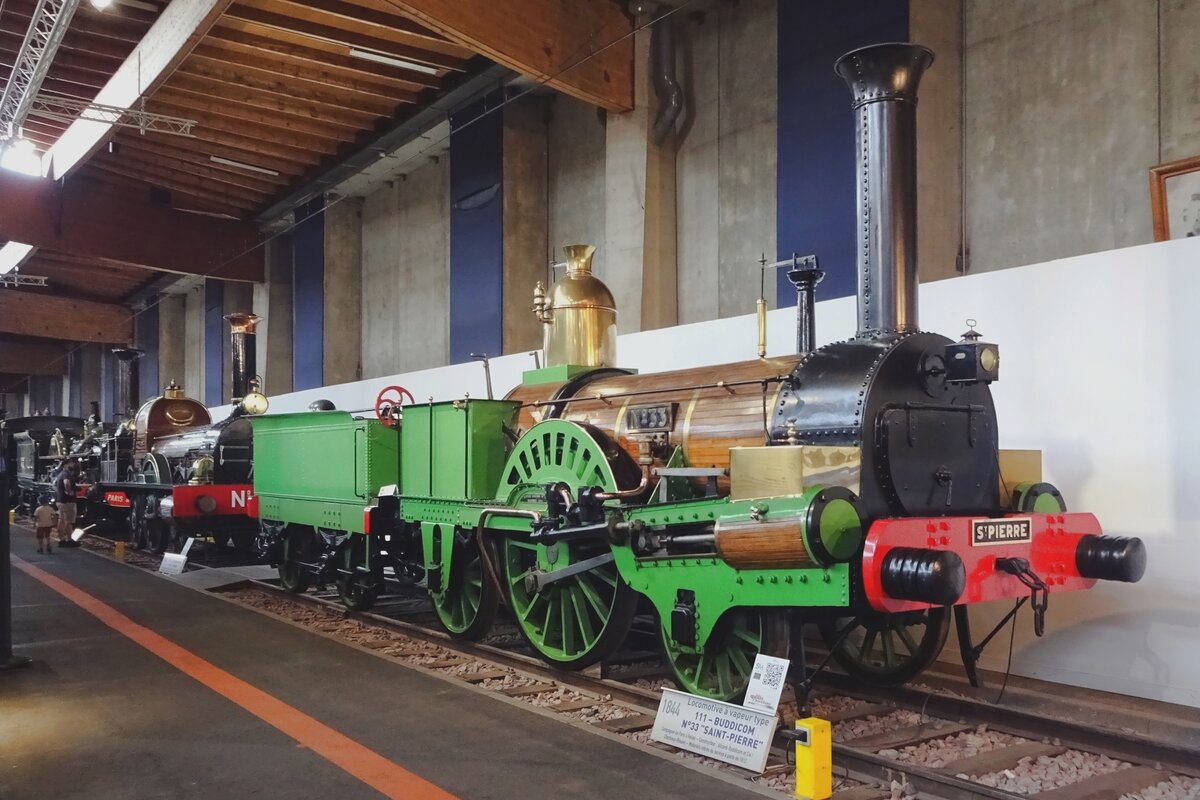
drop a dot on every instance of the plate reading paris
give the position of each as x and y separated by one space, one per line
734 734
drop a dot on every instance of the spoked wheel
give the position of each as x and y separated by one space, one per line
358 592
721 671
887 649
576 621
468 604
581 618
158 535
300 546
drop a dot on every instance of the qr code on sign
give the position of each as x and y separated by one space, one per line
772 675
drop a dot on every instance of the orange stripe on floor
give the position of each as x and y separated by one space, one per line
363 763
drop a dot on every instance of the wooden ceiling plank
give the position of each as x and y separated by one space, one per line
78 216
51 317
302 73
351 118
228 37
349 38
178 202
275 136
32 358
187 102
199 172
391 26
548 40
167 155
170 146
188 184
274 84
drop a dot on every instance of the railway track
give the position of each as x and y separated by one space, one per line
901 742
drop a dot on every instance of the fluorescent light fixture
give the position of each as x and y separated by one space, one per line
12 255
231 163
100 5
20 155
392 61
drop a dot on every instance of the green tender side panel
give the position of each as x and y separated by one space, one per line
321 468
455 449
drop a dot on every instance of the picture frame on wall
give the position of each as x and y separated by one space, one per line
1175 199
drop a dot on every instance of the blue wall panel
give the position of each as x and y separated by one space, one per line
308 298
476 229
214 343
815 205
147 365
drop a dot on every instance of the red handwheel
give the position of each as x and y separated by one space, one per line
388 401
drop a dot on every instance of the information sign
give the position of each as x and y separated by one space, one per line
734 734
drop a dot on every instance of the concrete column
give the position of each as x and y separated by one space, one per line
239 296
525 218
748 150
90 357
343 291
576 179
381 328
1179 21
937 24
697 182
273 302
193 342
171 339
423 260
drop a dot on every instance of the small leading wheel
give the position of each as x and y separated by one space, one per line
721 671
358 591
468 604
300 547
887 649
388 402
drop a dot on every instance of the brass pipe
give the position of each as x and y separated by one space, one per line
718 385
762 327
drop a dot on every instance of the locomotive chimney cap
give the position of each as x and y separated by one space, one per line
242 322
888 71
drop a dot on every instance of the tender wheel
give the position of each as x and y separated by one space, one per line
721 671
358 592
887 649
158 536
300 546
468 605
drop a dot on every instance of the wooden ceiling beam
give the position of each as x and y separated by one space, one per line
75 40
218 179
207 121
13 383
188 102
275 103
270 82
237 36
100 28
81 217
166 155
51 317
172 145
303 74
32 358
186 184
392 26
330 33
582 49
179 202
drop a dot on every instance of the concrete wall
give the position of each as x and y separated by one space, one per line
525 217
1068 104
171 339
575 181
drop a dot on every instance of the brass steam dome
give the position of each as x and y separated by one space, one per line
579 316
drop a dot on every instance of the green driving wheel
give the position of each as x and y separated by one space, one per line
721 670
468 604
583 616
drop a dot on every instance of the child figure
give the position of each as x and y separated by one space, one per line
44 520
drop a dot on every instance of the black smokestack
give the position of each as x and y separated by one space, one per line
244 357
126 378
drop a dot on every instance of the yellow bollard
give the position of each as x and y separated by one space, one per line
814 759
119 551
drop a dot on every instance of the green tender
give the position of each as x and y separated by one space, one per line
455 449
322 468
